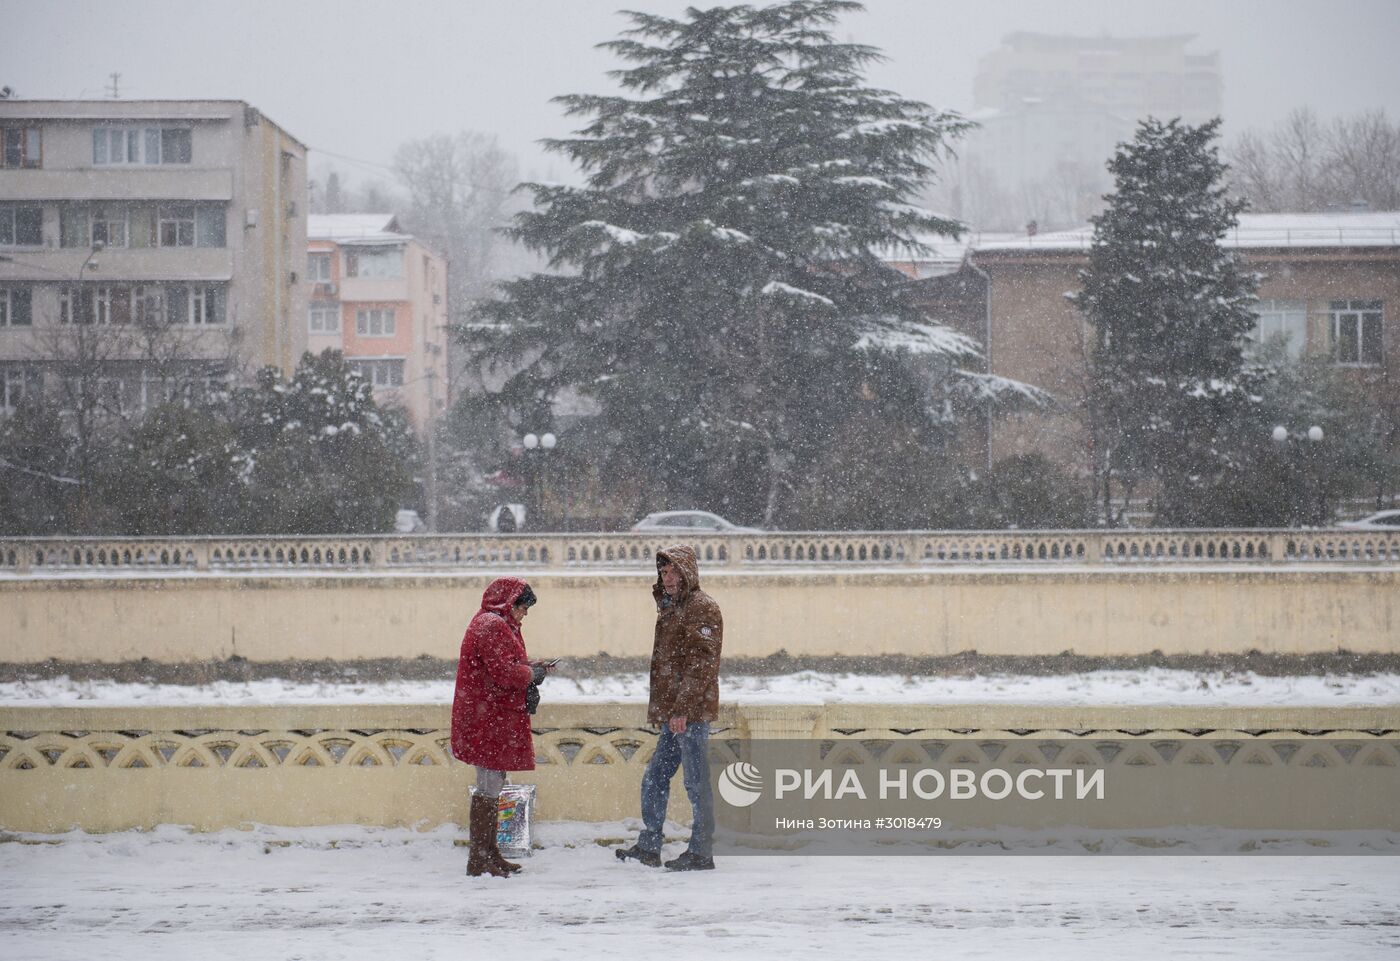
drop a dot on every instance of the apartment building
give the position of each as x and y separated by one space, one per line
380 296
151 235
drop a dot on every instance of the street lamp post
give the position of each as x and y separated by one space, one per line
536 446
1316 481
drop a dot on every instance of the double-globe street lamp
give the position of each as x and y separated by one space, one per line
1318 488
536 446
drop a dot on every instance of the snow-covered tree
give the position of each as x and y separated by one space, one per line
716 292
1170 310
317 455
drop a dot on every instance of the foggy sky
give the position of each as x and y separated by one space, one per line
357 77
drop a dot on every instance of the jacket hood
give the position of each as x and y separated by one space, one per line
683 557
503 592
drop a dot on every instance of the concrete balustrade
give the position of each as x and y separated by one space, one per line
22 556
108 769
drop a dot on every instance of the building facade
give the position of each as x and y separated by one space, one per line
1329 288
159 240
380 296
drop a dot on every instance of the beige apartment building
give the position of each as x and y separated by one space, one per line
158 237
380 296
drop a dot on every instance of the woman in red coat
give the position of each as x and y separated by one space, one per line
490 713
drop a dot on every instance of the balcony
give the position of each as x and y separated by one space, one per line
120 183
374 289
57 265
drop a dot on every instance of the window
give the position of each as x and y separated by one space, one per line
380 373
175 225
374 262
116 145
175 146
1285 319
375 323
318 268
141 145
21 147
210 225
156 305
94 305
161 304
144 225
16 307
21 226
112 305
324 318
109 226
16 383
208 304
1356 332
73 227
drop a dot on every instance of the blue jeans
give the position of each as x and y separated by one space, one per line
689 751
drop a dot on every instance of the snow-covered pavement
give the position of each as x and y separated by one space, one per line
357 893
1155 686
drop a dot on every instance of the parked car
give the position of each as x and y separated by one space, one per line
1379 521
408 522
506 519
691 521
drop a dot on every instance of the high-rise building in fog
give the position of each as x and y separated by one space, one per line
1052 108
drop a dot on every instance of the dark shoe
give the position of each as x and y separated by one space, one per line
651 859
690 862
483 835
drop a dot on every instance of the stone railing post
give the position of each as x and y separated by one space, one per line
1093 548
735 548
907 545
201 555
23 558
1278 548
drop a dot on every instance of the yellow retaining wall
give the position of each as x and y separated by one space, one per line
1093 611
108 769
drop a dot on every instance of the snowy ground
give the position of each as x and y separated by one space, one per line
1156 686
356 893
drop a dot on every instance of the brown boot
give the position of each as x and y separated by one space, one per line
482 825
495 849
510 866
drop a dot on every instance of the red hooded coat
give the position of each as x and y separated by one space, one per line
489 725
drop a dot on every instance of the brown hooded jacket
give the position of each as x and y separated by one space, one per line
685 652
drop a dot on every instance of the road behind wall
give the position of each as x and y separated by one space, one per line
921 612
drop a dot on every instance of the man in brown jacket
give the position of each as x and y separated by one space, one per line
684 700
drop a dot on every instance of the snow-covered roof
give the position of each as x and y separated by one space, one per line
944 255
1359 229
355 228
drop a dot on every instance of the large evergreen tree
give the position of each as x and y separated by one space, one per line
1170 310
716 290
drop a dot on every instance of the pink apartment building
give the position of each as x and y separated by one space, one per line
381 297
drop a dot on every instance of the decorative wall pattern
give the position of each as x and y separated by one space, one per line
587 746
